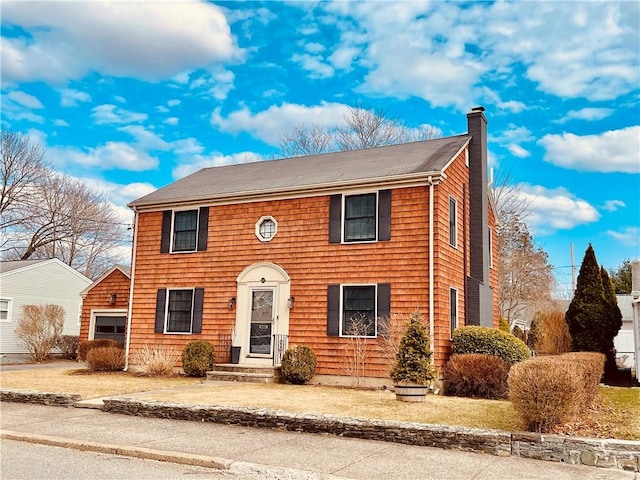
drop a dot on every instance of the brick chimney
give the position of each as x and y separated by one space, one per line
478 293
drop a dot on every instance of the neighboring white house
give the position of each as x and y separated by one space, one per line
37 282
624 341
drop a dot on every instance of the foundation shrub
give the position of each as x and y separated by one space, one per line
198 358
591 367
68 346
105 359
298 365
489 341
476 375
85 347
156 361
549 391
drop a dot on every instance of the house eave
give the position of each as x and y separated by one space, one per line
404 181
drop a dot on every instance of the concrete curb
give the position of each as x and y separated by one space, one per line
193 460
137 452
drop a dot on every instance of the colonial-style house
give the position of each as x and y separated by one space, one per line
36 282
267 254
105 305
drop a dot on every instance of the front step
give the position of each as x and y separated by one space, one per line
244 373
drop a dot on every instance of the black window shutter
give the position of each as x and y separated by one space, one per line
198 302
160 304
165 240
384 300
384 215
333 310
203 228
335 218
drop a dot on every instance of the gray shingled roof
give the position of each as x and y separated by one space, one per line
290 174
7 266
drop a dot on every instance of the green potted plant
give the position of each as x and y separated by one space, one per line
413 372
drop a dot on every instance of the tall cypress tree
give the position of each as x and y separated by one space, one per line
591 317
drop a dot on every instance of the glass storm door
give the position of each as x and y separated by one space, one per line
261 321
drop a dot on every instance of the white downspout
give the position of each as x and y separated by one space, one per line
431 268
132 276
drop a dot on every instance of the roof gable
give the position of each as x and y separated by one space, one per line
310 172
124 269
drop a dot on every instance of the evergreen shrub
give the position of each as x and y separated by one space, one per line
476 375
198 358
413 360
298 365
489 341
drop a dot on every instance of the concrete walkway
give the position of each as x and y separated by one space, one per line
270 454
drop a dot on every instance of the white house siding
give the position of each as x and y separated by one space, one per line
624 342
48 281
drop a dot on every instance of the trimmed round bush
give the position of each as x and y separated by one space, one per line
476 375
198 358
105 359
489 341
85 347
298 365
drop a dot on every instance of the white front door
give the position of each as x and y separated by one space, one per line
262 313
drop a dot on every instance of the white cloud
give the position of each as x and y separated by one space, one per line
70 97
629 236
111 114
111 155
518 151
146 139
174 102
612 151
58 122
147 40
613 205
24 99
588 113
172 121
556 209
270 124
17 105
314 64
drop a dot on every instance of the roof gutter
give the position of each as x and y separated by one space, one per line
132 276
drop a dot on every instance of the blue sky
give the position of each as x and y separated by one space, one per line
130 96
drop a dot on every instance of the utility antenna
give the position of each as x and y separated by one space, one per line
573 273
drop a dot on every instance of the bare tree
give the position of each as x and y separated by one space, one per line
363 128
22 167
40 328
50 215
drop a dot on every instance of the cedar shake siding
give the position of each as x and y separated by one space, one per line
349 229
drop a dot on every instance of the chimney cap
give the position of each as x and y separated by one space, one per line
478 109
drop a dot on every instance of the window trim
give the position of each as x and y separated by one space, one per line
173 230
453 222
166 311
9 309
343 221
259 223
454 316
375 309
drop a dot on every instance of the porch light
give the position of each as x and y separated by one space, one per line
232 303
112 299
290 301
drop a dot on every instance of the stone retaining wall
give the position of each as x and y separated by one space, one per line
41 398
607 453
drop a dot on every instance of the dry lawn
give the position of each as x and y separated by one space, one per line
617 413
